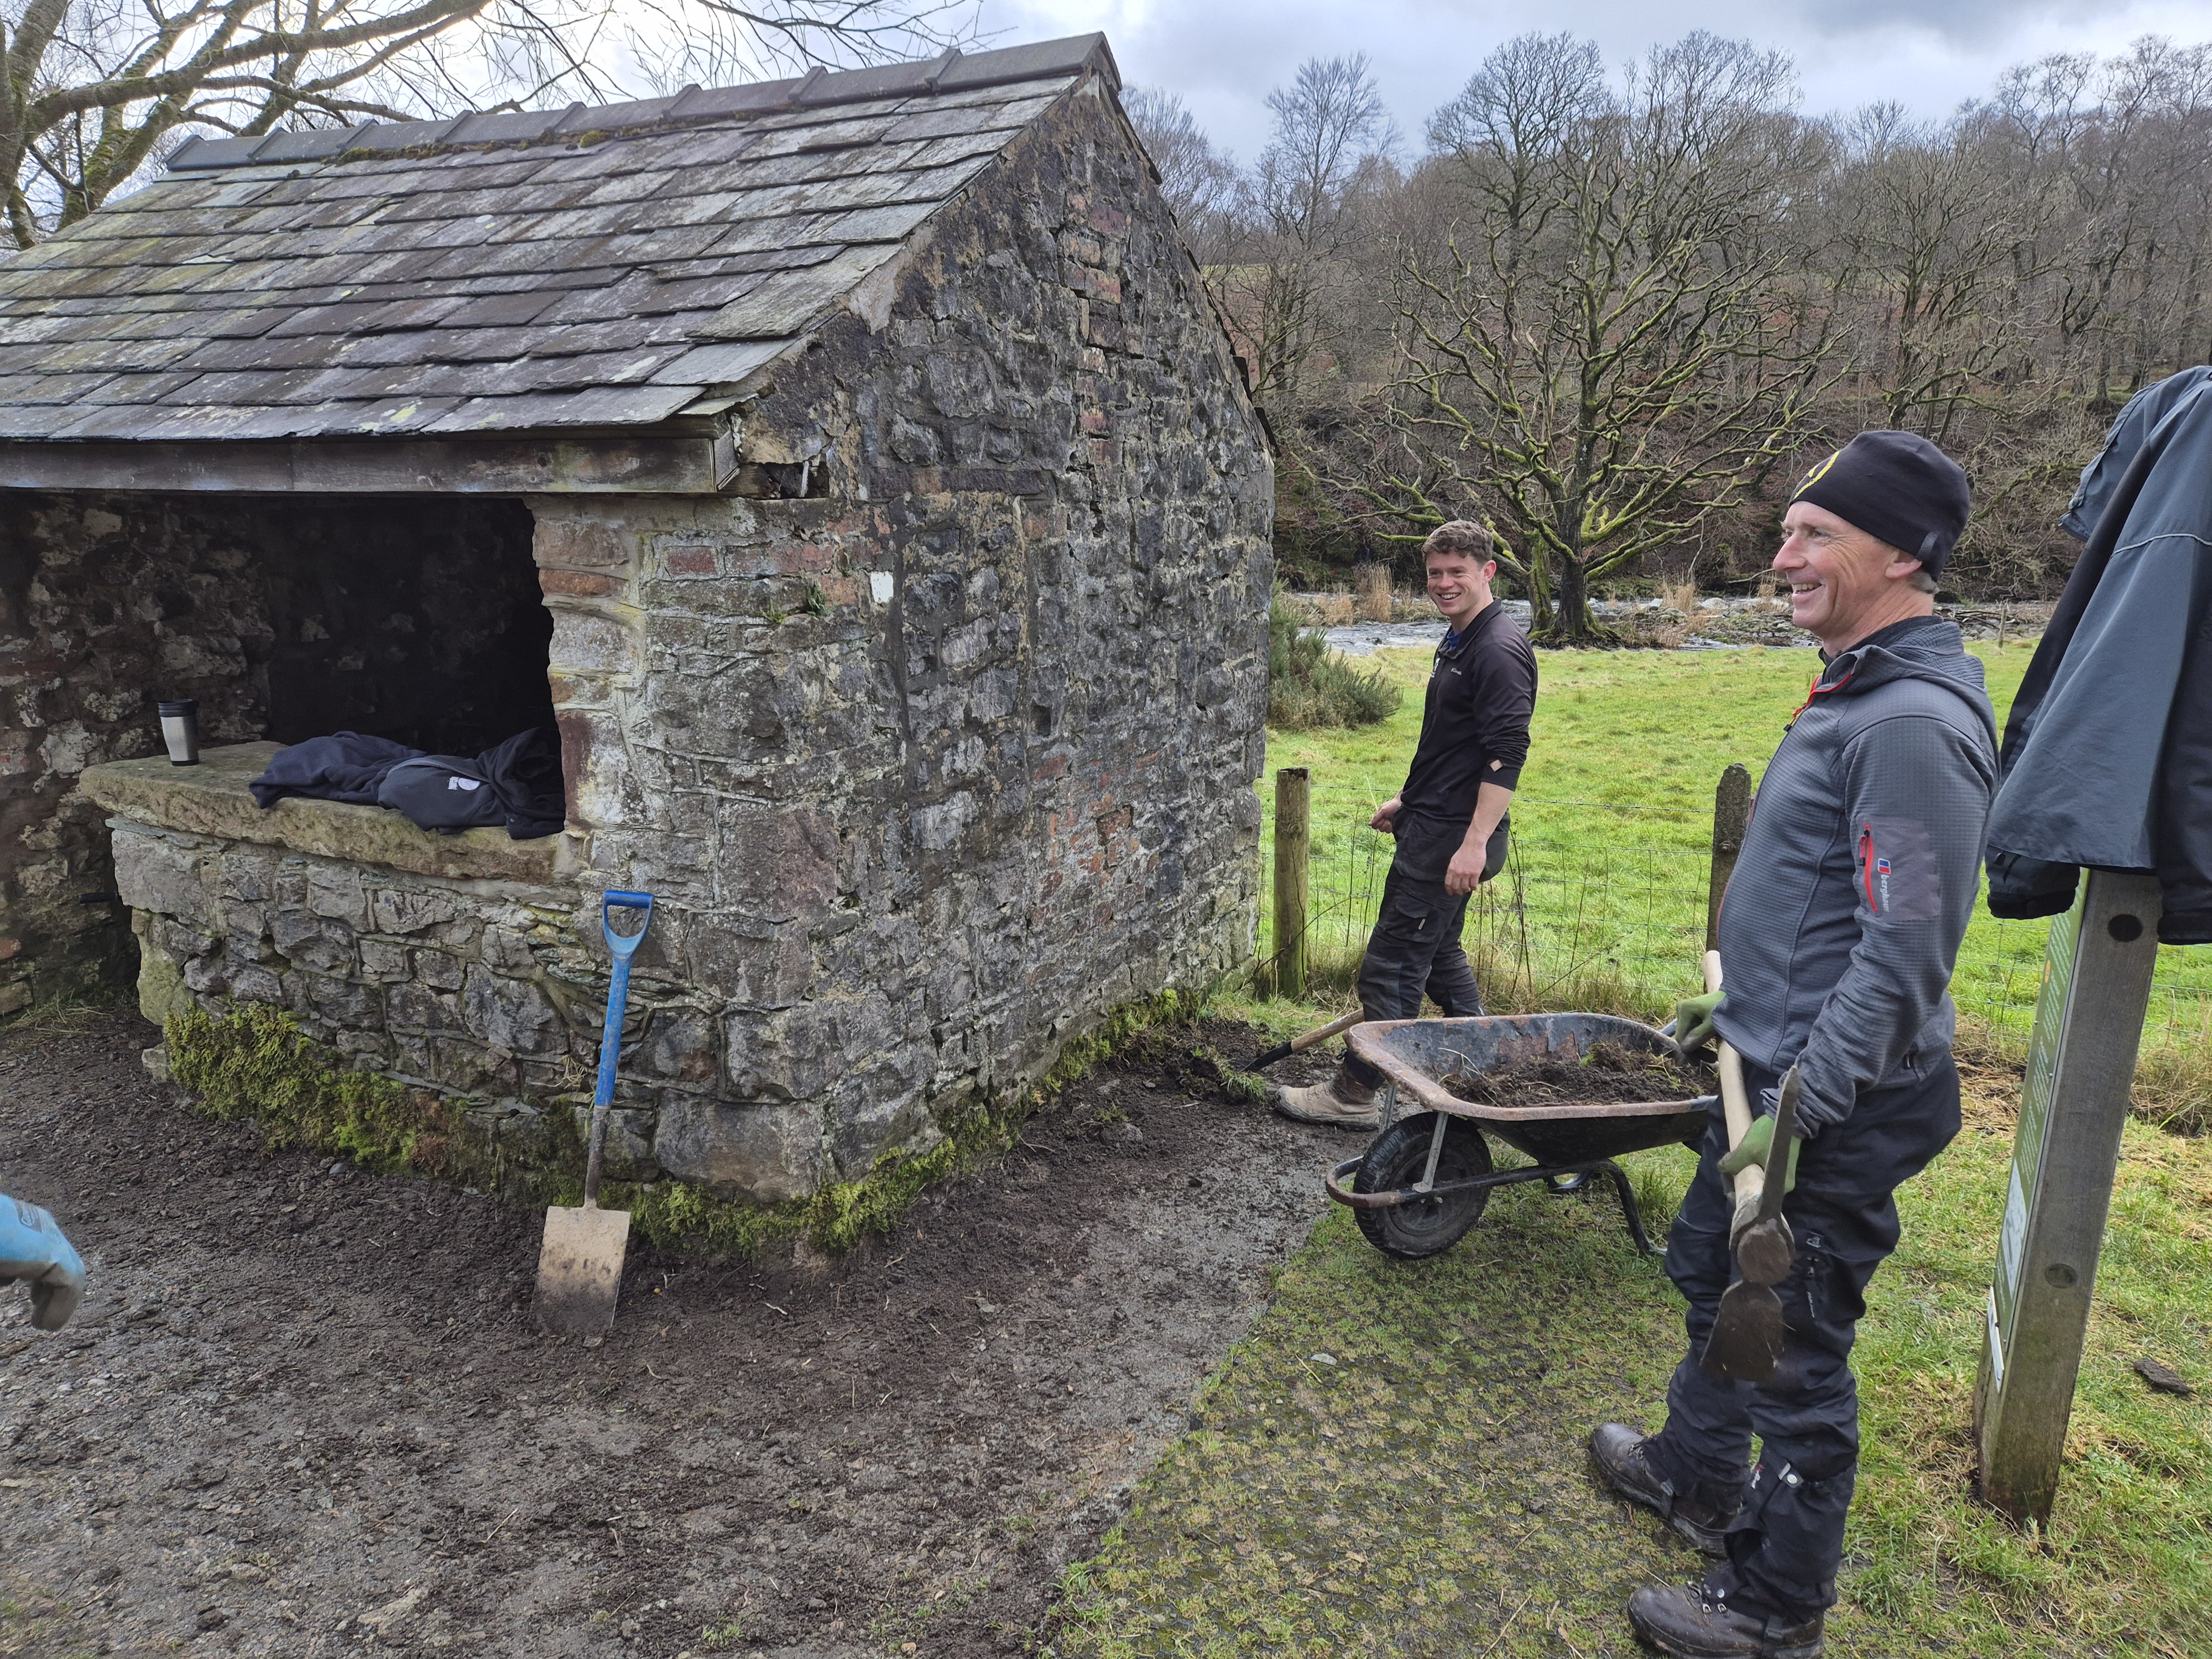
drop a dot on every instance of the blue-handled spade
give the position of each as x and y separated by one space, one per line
579 1266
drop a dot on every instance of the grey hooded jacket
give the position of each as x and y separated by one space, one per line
1842 921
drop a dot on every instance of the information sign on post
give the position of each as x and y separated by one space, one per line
2073 1102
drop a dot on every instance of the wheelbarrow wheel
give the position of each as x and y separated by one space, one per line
1398 1158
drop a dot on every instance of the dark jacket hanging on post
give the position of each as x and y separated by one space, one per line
2107 758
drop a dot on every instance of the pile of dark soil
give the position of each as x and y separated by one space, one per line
1611 1074
303 1409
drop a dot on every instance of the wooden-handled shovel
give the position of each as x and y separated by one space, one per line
1747 1335
1305 1040
1735 1106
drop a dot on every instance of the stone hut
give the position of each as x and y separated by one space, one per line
851 466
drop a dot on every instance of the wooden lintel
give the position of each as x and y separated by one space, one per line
544 465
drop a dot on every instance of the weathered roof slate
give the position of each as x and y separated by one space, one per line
586 267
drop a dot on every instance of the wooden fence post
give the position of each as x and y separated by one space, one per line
2072 1104
1731 813
1293 839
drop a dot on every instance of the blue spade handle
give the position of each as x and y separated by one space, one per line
622 947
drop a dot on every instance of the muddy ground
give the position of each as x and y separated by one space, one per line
302 1410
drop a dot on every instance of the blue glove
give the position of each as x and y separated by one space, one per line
32 1247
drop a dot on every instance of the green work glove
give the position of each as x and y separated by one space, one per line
1757 1140
1693 1020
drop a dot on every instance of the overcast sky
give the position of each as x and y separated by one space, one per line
1223 56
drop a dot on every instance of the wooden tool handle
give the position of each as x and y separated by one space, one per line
1305 1040
1735 1105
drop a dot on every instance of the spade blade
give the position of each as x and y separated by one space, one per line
579 1270
1747 1335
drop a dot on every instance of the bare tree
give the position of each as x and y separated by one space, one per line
1609 337
92 91
1936 246
1199 181
724 42
1289 282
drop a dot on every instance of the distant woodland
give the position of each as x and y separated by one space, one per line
1613 312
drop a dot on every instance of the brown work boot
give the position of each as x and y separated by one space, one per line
1695 1621
1618 1452
1340 1103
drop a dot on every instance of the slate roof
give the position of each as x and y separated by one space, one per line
605 267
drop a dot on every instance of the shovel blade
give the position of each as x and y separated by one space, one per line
1747 1335
579 1270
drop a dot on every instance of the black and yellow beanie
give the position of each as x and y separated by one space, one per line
1897 487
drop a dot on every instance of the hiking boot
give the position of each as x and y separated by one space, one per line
1341 1103
1694 1621
1620 1452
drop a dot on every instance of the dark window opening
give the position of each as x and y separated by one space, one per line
416 618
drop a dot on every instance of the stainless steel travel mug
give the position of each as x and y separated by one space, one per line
181 730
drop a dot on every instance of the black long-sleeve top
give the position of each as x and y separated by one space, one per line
1474 727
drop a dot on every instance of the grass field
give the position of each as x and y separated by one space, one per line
1603 904
1392 1462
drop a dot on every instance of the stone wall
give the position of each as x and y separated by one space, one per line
939 765
931 766
490 988
413 618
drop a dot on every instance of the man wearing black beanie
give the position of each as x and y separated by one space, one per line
1838 935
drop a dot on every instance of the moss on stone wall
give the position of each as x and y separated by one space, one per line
679 1216
256 1065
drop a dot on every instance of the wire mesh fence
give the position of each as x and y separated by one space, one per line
1602 907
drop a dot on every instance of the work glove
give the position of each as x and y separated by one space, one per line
1693 1020
1758 1141
32 1247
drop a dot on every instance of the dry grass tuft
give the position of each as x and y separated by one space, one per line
2173 1089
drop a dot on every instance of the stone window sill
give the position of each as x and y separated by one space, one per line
211 799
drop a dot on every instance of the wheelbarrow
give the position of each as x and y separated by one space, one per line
1423 1179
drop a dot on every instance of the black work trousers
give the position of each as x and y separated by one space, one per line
1415 949
1788 1541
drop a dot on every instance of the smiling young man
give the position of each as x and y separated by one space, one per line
1838 935
1449 819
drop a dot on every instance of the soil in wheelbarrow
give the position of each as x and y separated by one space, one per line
1611 1074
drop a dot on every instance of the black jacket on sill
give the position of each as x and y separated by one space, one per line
2107 759
517 783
